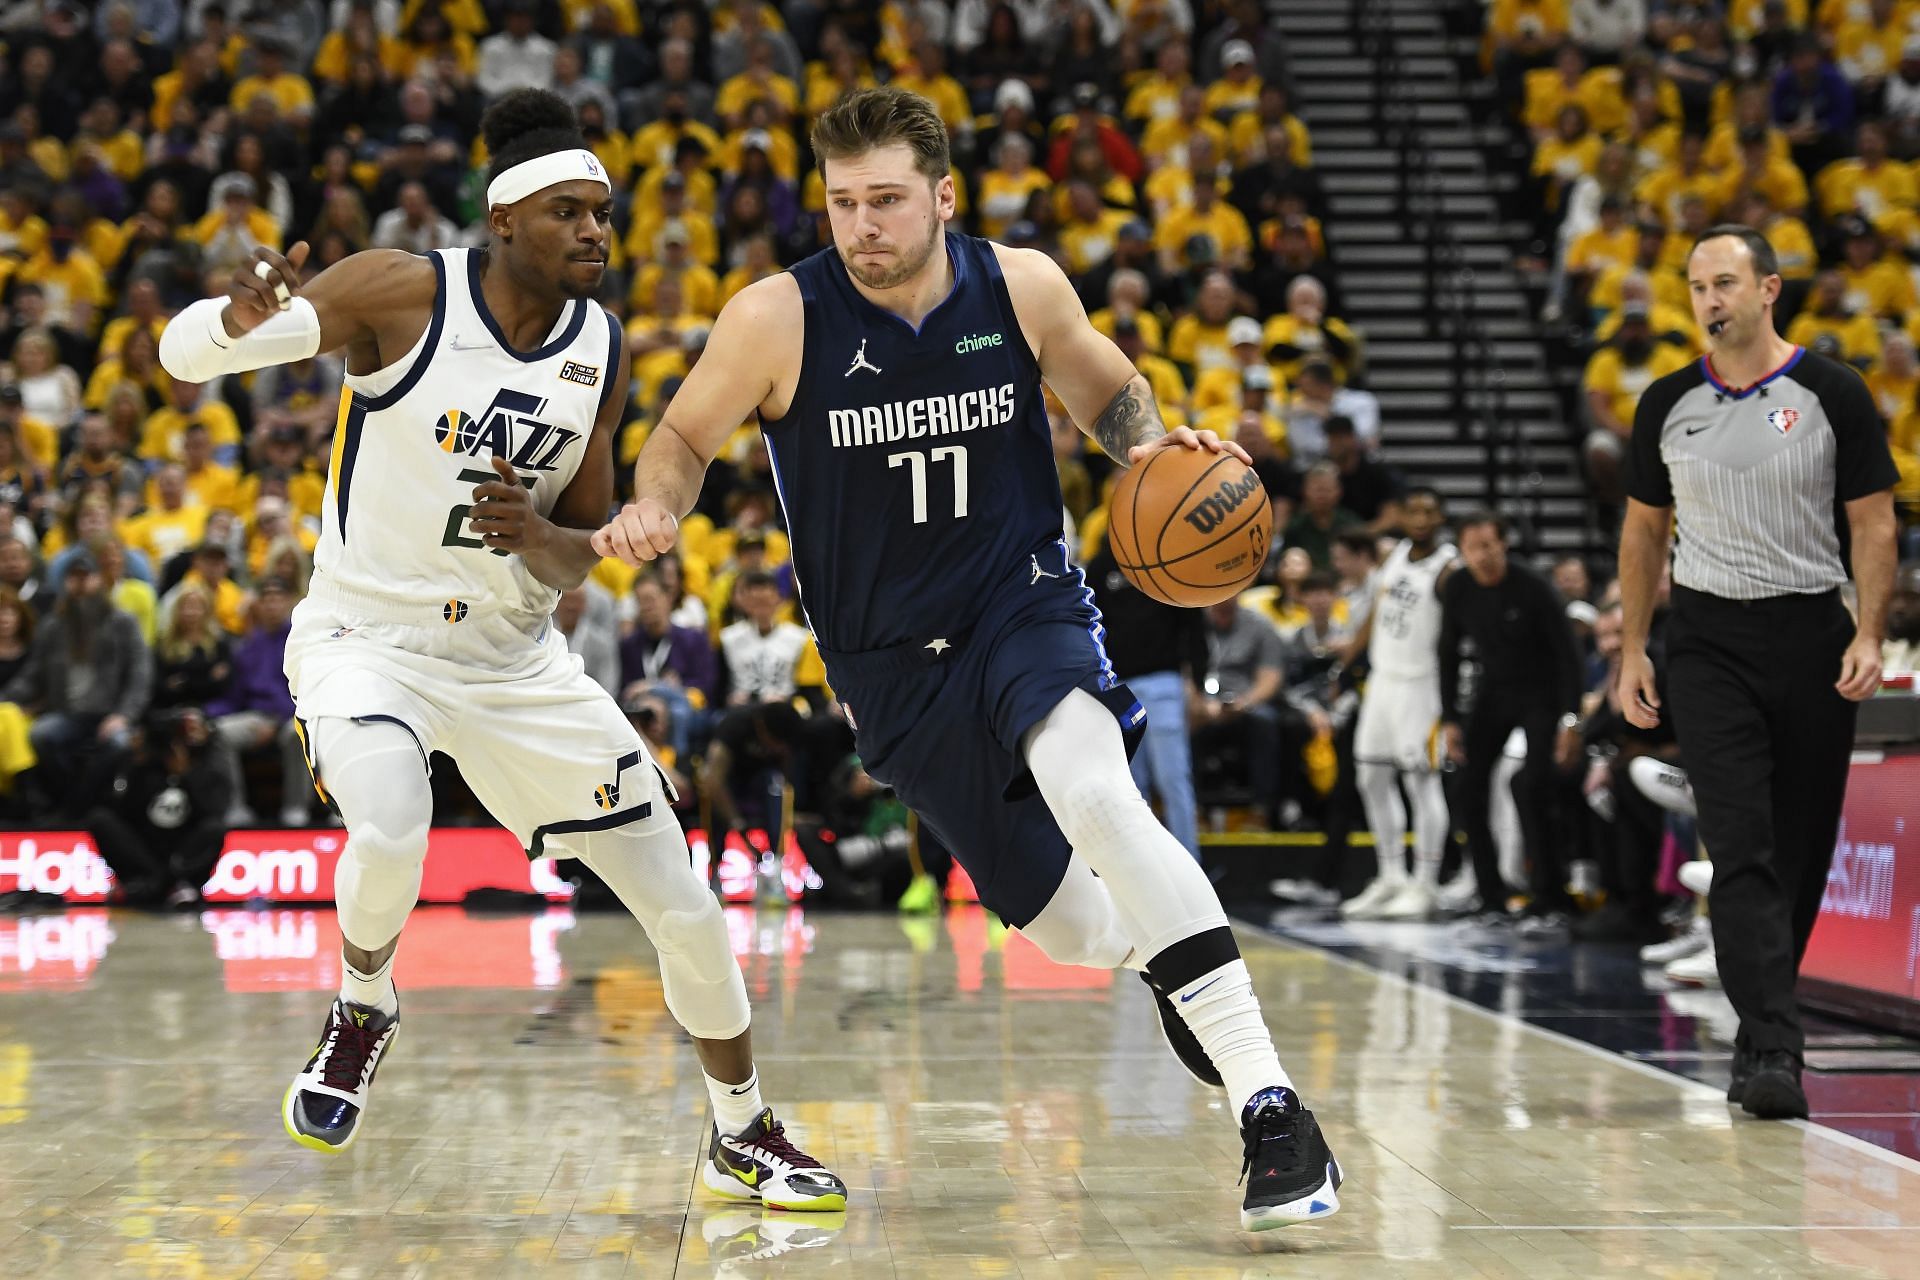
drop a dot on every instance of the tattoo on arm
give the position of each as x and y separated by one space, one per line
1130 418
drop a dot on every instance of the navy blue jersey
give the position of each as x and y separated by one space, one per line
915 468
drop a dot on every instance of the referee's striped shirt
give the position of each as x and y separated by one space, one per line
1758 477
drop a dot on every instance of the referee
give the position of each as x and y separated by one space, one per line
1748 456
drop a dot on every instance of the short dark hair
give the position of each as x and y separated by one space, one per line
1483 516
1338 425
757 578
1765 261
1360 544
1428 491
867 119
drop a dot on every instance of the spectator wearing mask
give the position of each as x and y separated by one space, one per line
87 680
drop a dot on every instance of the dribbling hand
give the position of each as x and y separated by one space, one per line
1187 438
643 531
255 295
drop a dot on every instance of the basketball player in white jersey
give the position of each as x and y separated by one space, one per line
1394 741
471 464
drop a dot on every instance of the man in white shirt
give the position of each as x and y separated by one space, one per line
414 225
759 653
517 58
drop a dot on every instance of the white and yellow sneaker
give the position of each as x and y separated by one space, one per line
759 1163
324 1104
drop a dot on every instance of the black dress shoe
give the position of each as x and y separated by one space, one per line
1743 1068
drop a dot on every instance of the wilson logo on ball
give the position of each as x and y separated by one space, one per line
1208 513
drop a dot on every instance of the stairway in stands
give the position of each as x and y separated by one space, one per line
1435 429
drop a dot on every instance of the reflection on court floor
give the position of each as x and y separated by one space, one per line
994 1114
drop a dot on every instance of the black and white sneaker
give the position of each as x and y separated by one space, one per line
1180 1038
759 1163
1290 1172
324 1103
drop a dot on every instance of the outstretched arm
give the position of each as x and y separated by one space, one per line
1107 398
351 304
745 355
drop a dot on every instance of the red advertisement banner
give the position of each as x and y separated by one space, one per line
1868 935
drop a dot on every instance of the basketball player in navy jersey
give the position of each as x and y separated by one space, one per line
472 465
897 376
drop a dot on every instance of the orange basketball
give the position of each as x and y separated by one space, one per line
1190 527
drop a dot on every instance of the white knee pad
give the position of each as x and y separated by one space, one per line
376 775
1081 925
650 871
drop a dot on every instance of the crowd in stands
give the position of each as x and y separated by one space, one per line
154 534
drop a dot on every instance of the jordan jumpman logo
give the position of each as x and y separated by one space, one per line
860 361
1039 573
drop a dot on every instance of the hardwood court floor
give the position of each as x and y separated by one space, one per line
993 1114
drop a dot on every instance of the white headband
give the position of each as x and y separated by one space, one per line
541 172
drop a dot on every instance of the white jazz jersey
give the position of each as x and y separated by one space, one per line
414 438
1406 623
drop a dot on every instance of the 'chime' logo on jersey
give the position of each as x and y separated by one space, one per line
510 427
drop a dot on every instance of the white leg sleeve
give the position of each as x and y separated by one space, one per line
648 866
1379 787
1080 761
376 775
1503 818
1431 823
1081 925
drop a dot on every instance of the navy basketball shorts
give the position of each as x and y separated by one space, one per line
940 720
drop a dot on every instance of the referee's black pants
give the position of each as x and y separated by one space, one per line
1766 741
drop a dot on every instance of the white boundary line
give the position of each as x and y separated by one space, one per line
1904 1163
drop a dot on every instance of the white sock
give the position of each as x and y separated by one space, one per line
1224 1014
735 1106
375 989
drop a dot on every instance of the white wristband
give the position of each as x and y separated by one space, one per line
195 346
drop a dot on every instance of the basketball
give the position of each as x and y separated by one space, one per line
1190 527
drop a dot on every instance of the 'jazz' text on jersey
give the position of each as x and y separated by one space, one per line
509 427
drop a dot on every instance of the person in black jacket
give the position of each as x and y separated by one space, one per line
1530 679
160 820
1161 652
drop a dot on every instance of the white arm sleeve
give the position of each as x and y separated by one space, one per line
195 346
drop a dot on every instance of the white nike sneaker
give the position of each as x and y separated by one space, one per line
323 1106
1697 876
1456 894
760 1163
1701 969
1412 901
1367 905
1696 938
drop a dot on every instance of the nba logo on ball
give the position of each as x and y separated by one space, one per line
456 432
1782 420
